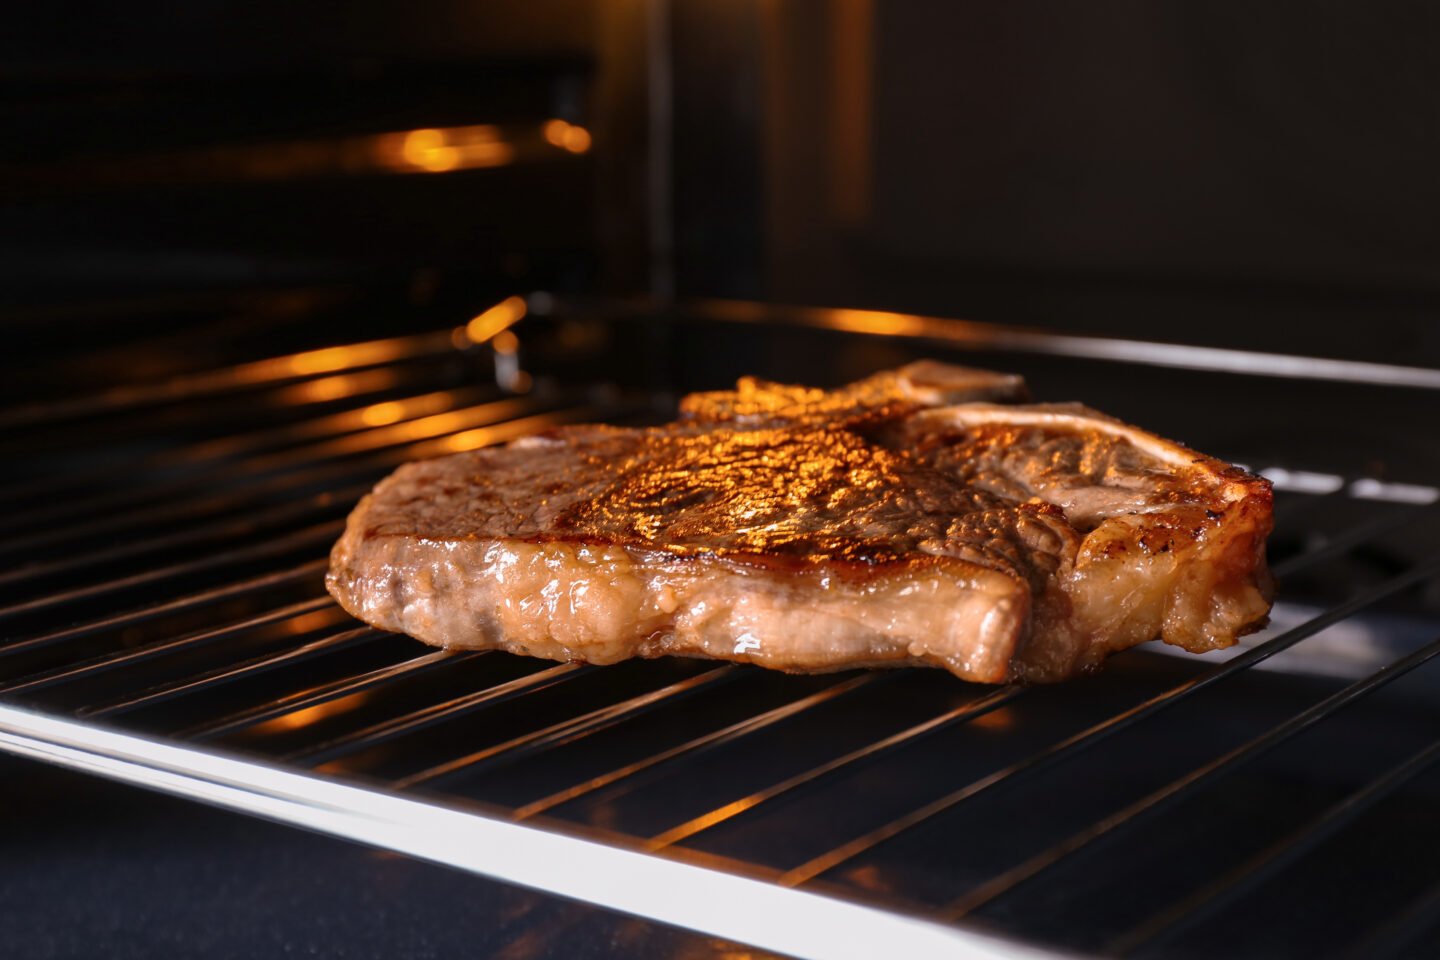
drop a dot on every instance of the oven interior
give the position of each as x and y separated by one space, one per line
254 258
167 538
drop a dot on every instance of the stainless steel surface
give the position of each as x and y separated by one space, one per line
164 622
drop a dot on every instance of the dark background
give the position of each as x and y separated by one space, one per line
1221 173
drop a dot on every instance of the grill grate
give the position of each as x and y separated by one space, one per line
164 579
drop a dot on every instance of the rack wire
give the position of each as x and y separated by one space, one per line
164 621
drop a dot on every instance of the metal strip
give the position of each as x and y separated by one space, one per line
312 568
227 529
324 693
1073 745
1276 857
320 753
259 373
309 460
964 712
319 533
574 728
236 671
715 738
792 922
111 661
1177 789
993 336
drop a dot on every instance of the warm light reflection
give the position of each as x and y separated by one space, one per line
875 322
484 436
567 136
499 317
995 720
505 342
325 360
304 717
379 414
337 387
329 616
393 411
442 149
425 428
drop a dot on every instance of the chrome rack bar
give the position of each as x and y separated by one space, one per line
792 922
575 728
1177 789
1276 857
245 668
311 568
318 754
124 658
321 533
963 713
713 739
1098 733
324 693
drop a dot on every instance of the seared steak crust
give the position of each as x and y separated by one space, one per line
895 521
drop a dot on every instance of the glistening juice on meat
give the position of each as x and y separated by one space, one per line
922 516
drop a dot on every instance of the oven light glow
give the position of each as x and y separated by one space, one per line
567 136
496 319
379 414
443 149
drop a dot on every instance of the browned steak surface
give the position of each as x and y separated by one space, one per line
896 521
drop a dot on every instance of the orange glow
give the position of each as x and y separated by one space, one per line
492 321
875 322
995 720
316 620
555 131
443 149
505 342
337 387
424 428
305 716
484 436
326 360
577 140
379 414
567 136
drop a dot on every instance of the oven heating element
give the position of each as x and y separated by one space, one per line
163 621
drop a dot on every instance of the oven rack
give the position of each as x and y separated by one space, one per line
163 622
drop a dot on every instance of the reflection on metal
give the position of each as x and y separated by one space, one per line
311 362
500 317
975 335
306 716
1371 489
337 387
426 150
1302 481
791 922
484 436
567 136
440 150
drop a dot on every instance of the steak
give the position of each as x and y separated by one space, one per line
908 519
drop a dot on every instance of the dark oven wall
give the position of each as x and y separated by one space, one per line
1258 176
383 164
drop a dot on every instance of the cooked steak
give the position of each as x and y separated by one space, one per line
901 520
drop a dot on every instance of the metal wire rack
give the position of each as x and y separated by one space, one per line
164 621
